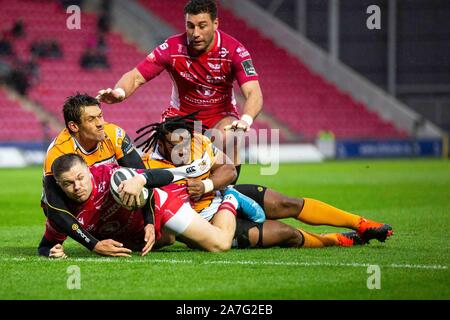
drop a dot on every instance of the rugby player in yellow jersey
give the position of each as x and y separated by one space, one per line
174 143
88 135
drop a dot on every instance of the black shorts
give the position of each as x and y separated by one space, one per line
241 237
255 192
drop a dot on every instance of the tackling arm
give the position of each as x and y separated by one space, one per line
252 107
124 88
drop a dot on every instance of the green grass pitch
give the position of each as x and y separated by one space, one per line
412 195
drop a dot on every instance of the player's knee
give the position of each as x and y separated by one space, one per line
219 246
294 237
291 205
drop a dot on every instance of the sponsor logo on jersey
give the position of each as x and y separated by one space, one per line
205 91
203 165
110 227
182 49
223 52
119 133
242 52
188 63
215 79
190 170
248 67
101 187
151 57
82 235
110 211
215 66
188 75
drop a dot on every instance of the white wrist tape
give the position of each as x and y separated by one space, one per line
247 119
209 185
121 92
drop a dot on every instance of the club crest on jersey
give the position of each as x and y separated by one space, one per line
223 52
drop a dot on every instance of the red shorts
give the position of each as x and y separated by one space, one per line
172 209
208 120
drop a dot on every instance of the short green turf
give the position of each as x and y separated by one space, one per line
412 195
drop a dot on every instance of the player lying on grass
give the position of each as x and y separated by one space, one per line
172 145
104 226
96 141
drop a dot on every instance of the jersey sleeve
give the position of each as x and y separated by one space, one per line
243 65
155 62
52 234
121 141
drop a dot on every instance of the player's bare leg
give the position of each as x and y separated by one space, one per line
167 239
314 212
216 236
275 233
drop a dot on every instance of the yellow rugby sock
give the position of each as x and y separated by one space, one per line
314 240
319 213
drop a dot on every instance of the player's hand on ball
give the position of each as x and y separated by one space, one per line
111 248
149 238
195 188
57 252
111 95
130 191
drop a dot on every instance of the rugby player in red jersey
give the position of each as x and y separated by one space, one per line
203 63
104 226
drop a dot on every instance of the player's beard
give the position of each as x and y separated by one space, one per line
203 48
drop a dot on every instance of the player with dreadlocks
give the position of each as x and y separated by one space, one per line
175 139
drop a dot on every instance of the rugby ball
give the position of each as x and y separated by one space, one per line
117 177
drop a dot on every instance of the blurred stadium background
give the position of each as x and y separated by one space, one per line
328 81
334 89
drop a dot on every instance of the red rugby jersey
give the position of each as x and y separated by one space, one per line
203 82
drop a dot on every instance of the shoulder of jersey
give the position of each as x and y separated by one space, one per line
113 130
228 41
176 39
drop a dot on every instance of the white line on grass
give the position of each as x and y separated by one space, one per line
245 262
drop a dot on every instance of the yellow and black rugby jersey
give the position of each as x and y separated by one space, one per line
199 145
116 144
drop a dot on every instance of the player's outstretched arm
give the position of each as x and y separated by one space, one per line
124 88
252 106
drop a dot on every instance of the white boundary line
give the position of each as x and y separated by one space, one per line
239 262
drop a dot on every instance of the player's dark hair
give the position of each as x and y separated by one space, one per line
65 162
201 6
157 131
74 105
